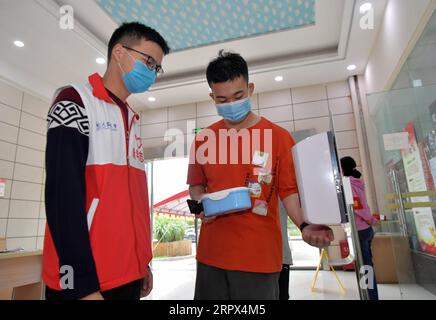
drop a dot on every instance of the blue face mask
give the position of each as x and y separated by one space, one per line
235 111
140 78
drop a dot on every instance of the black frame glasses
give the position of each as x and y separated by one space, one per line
150 62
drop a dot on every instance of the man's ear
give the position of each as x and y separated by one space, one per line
117 52
211 95
251 88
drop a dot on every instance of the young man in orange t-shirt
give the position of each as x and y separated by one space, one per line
240 254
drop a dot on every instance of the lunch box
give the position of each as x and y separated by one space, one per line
226 201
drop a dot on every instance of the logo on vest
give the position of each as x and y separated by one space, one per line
106 125
138 152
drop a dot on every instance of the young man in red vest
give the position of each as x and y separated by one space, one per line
97 242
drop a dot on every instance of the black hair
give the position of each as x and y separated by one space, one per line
226 67
348 166
130 33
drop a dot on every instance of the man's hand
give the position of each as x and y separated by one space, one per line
147 283
93 296
205 219
318 235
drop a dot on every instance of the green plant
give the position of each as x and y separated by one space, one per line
169 230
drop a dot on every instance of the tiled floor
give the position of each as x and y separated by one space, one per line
175 280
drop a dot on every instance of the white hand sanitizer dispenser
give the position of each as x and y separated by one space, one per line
319 180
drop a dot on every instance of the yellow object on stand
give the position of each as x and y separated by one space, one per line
322 256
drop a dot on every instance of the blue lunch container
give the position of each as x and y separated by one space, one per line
226 201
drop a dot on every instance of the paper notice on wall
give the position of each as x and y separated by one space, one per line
396 141
2 187
416 182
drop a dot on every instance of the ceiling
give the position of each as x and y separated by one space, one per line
187 24
304 51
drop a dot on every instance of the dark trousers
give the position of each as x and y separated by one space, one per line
219 284
130 291
365 237
284 283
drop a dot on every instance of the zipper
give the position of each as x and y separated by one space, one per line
127 130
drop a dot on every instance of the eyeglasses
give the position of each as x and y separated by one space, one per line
150 62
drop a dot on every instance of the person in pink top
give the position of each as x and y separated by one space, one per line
364 219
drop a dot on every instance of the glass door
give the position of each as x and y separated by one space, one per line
403 154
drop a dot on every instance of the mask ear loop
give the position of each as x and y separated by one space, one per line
119 64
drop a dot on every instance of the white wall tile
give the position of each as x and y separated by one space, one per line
26 243
7 151
3 223
346 139
9 115
278 114
338 89
353 153
254 102
26 191
288 125
8 133
40 243
205 122
206 108
153 142
318 124
275 99
10 96
153 130
41 198
27 173
35 106
41 227
33 123
6 169
344 122
24 209
4 207
154 116
183 125
340 105
22 228
30 156
42 213
32 140
311 110
309 93
186 111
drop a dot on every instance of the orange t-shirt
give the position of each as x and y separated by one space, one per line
250 240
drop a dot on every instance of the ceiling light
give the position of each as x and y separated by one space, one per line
100 61
351 67
278 78
365 7
151 99
19 43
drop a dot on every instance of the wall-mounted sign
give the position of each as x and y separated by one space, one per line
396 141
416 181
